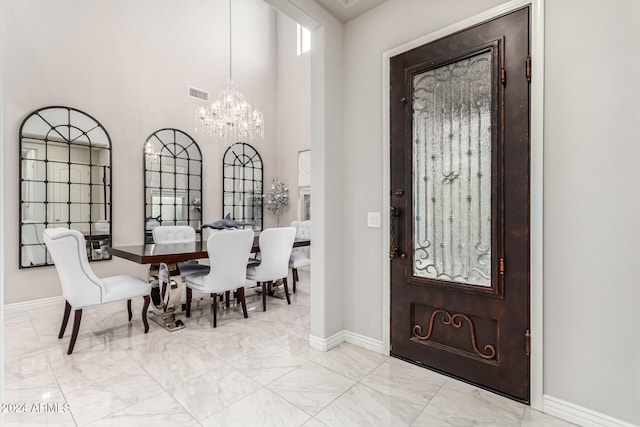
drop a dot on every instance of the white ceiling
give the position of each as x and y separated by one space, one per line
346 10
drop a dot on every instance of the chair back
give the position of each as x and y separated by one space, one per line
275 250
102 226
174 234
228 251
303 231
80 286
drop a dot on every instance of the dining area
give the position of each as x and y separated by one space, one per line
224 278
67 209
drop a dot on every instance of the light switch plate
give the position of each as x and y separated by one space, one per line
373 219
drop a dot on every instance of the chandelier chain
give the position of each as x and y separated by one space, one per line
230 44
230 118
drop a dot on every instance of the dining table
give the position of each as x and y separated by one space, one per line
173 253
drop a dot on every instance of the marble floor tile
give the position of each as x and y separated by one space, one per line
170 365
311 387
533 418
77 371
157 411
297 345
47 312
25 365
20 337
213 391
41 387
262 408
56 417
106 397
363 406
19 316
314 422
404 381
134 338
350 360
461 404
234 343
267 364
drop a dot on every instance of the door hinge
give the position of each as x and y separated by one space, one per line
527 342
503 76
501 267
528 68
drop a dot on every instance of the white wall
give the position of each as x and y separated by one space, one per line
591 291
592 344
293 107
128 64
2 205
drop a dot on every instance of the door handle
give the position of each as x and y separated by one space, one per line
394 250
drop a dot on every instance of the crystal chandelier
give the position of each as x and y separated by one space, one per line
230 118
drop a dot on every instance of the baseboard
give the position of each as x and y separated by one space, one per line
578 414
365 342
31 305
326 344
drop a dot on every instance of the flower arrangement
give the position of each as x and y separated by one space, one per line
196 205
277 199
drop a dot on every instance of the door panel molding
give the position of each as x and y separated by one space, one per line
488 351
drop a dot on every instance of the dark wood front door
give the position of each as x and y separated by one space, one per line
460 205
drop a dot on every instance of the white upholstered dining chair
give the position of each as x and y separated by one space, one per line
300 257
228 253
81 287
275 250
180 234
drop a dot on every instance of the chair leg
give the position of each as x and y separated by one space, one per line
76 327
189 297
294 273
241 300
286 290
226 297
145 308
264 296
65 319
129 309
214 310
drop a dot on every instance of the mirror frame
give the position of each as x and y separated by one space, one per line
76 125
171 148
240 156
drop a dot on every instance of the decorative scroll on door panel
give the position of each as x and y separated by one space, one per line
452 172
459 333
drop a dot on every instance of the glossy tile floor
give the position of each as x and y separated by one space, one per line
247 372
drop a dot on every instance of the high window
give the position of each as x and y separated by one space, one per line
304 40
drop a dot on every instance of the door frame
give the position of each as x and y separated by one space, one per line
536 177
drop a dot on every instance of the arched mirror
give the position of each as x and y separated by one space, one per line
65 181
172 181
242 184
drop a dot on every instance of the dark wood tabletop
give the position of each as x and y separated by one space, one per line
175 252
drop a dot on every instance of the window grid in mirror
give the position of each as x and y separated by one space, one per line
242 184
173 181
65 181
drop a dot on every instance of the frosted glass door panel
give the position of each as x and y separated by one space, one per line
452 172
